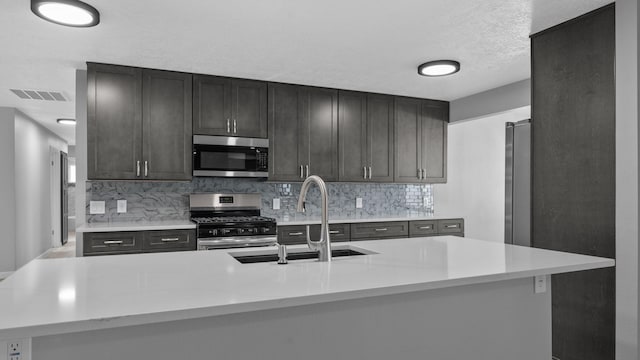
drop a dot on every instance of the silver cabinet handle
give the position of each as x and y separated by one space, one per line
364 169
235 126
169 239
146 168
334 232
451 226
383 229
307 167
424 173
425 227
138 168
419 173
301 172
228 125
113 242
296 233
369 172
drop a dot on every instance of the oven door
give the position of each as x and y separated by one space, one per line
230 157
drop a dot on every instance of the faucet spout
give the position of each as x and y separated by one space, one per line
322 246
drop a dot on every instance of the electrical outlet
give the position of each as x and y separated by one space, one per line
122 206
358 203
540 284
18 349
96 207
276 204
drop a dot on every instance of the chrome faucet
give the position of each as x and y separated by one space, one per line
322 246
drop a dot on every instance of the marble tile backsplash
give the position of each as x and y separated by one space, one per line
157 201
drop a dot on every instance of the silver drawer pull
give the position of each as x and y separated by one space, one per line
451 226
169 239
383 229
113 242
296 233
334 232
425 227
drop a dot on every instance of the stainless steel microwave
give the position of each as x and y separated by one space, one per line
230 156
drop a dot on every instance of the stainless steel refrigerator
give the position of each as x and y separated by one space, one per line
518 183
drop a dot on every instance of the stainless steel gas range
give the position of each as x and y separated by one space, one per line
231 221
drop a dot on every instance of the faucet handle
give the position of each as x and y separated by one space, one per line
282 254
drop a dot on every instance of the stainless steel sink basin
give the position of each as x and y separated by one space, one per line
251 257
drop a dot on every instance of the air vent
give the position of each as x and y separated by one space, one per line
39 95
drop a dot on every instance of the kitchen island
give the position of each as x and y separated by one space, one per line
442 297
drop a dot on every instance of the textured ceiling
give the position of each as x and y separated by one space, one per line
351 44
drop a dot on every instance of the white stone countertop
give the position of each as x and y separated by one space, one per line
311 220
136 226
51 296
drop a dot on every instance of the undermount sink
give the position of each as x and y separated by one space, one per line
251 257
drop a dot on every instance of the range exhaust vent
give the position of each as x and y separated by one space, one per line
39 95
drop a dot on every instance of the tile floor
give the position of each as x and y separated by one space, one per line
65 251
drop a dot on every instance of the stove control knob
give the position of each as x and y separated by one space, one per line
265 230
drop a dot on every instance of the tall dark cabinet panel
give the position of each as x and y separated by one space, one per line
229 107
211 105
366 137
421 140
166 125
321 110
249 108
114 122
352 121
435 121
303 127
408 139
286 133
573 175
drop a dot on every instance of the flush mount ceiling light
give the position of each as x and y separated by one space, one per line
439 68
66 12
66 121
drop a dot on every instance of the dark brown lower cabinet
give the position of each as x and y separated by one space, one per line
573 175
297 234
379 230
135 242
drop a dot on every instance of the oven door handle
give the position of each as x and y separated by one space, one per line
238 241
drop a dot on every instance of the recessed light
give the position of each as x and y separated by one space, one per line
66 12
439 68
66 121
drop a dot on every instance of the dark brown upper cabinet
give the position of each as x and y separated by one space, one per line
229 107
303 128
138 124
421 140
365 137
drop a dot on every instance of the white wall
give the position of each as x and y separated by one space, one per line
476 174
32 187
627 180
7 195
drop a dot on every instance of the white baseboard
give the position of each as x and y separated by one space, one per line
4 275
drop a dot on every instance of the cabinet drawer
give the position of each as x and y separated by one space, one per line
292 234
379 230
450 226
423 228
337 232
112 243
169 240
